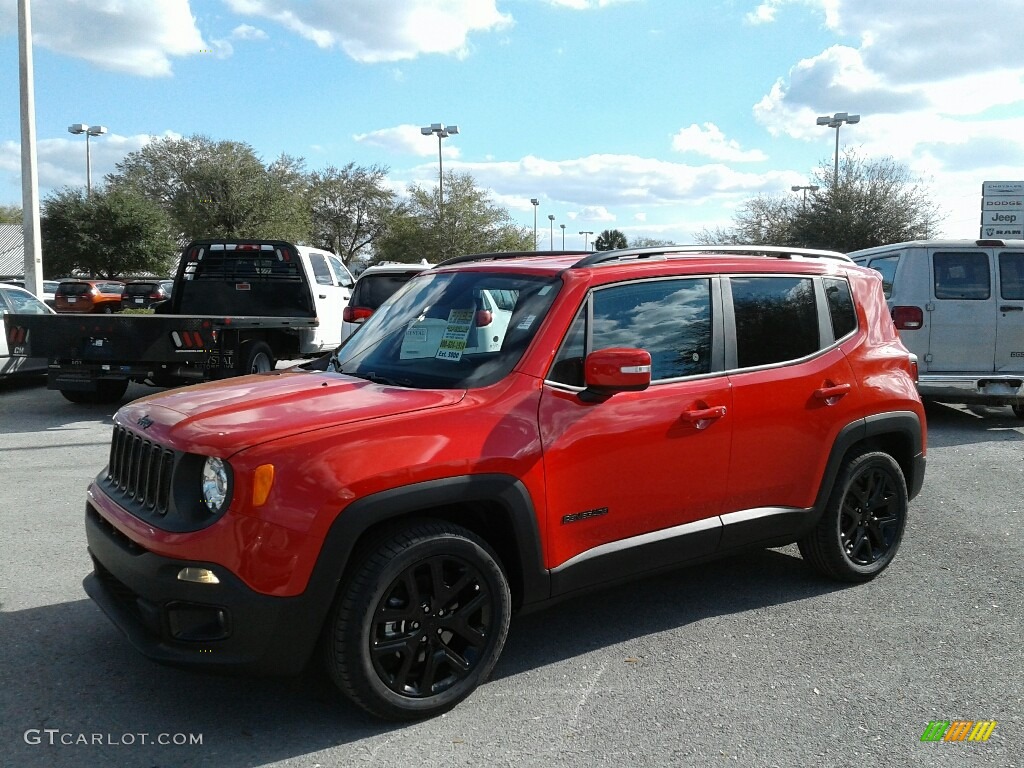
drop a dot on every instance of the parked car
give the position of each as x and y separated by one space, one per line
638 410
959 306
142 294
88 296
49 295
374 286
15 300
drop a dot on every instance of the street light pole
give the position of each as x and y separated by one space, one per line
812 187
563 235
535 202
88 130
586 236
551 233
836 122
443 132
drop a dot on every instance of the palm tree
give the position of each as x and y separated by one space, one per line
609 240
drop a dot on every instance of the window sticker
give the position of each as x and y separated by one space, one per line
526 322
455 336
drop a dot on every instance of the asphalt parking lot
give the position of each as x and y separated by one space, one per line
751 661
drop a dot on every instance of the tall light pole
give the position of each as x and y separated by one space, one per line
586 236
29 167
812 187
836 122
535 202
443 132
551 234
563 235
88 130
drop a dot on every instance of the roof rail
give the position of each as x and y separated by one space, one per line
773 251
501 255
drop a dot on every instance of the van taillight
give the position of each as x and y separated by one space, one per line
356 314
483 317
908 318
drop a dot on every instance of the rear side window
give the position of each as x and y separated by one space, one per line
962 275
373 290
776 319
886 266
1011 275
840 306
321 271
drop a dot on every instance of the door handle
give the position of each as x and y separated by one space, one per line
1010 308
322 295
702 418
832 393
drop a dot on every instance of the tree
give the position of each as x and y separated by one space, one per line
609 240
471 224
876 202
648 242
111 233
350 208
10 214
218 189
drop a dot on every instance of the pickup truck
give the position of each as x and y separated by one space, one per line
237 307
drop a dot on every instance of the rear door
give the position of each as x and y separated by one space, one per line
963 311
1010 320
331 294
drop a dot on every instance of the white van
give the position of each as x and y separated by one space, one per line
959 306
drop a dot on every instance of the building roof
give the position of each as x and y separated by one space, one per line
12 251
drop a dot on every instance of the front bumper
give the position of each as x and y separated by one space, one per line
225 625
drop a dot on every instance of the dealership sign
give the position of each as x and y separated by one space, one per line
1002 188
1002 209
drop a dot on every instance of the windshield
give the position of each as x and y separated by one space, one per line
450 330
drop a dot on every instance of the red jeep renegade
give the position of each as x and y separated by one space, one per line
513 429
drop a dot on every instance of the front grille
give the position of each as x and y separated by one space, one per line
140 470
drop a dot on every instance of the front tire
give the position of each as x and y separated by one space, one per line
862 525
419 623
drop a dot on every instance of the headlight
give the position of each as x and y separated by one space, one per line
215 485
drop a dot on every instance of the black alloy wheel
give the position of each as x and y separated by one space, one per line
419 623
863 521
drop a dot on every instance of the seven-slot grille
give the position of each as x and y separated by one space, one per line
141 470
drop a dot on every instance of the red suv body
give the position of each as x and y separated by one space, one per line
88 296
447 466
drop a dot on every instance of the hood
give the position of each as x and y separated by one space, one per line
225 417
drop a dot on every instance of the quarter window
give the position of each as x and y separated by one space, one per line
962 275
840 307
776 319
886 266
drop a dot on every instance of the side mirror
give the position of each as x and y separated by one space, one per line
619 369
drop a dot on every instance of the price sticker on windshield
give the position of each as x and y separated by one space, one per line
455 336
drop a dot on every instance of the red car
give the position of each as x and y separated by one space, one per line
628 411
85 296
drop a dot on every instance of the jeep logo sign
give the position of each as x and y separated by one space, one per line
1008 218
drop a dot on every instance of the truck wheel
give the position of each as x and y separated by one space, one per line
862 525
107 391
256 357
419 623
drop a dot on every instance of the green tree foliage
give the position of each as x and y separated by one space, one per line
648 242
219 189
877 201
468 222
610 240
112 233
10 214
350 208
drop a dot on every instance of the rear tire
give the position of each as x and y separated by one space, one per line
419 623
107 391
256 357
862 525
1018 411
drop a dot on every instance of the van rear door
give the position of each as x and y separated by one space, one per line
1010 318
962 312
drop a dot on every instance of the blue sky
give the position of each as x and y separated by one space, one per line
656 117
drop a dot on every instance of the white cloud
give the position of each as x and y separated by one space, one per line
709 141
408 140
248 32
372 31
587 5
139 37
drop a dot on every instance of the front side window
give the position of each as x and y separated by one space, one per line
341 271
446 331
776 319
1011 275
670 319
962 275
